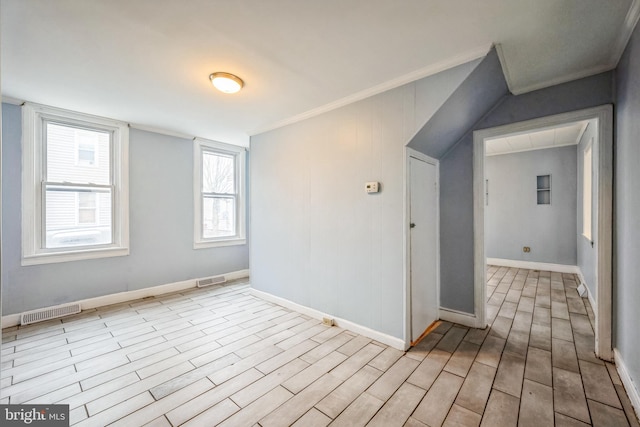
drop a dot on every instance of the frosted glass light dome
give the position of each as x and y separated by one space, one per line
226 82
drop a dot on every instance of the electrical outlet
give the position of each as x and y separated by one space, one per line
526 249
327 321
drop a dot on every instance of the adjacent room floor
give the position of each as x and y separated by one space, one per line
219 355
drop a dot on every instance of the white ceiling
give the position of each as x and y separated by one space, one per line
148 61
551 137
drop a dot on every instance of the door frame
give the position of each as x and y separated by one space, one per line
603 312
409 153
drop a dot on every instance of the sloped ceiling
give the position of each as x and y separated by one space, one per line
480 91
148 61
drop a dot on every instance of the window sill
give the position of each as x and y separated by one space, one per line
56 257
204 244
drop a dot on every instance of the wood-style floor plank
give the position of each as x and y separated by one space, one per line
220 356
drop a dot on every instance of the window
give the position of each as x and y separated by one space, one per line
587 190
86 149
87 208
219 192
74 186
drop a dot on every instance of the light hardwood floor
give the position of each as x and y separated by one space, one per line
219 356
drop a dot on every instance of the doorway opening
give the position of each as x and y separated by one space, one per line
595 149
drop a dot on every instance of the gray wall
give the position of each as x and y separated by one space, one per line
626 248
480 91
513 217
456 229
161 229
456 176
317 238
586 252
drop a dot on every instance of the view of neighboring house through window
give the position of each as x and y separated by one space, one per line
73 188
87 209
220 194
75 204
86 151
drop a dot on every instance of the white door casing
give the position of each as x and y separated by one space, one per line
603 205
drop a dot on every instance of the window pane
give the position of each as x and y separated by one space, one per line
219 217
77 155
218 173
77 217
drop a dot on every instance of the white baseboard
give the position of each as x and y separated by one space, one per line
530 265
458 317
14 319
582 279
589 294
627 381
593 302
389 340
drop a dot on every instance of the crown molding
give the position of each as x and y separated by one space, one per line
519 90
375 90
617 50
630 22
11 100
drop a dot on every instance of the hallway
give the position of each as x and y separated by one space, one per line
535 365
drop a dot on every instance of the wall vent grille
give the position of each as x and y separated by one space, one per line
49 313
211 281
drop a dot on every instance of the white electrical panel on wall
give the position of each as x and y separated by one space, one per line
372 187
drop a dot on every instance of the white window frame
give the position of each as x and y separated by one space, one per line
239 154
587 191
34 252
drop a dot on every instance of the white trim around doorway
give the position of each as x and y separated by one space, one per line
604 115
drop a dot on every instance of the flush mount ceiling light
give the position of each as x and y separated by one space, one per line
225 82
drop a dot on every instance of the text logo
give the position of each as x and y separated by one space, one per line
34 415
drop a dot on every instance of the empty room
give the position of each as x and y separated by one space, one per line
345 213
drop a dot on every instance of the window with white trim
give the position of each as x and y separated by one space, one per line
74 186
219 194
